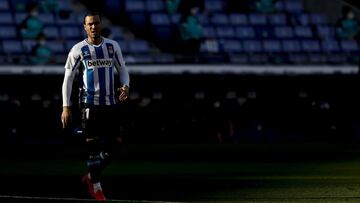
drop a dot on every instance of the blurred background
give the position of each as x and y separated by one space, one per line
205 71
211 80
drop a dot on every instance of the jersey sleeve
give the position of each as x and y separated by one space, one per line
71 65
120 66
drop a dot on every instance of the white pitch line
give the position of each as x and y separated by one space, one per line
78 199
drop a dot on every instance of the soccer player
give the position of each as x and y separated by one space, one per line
96 59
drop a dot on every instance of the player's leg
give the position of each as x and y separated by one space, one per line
92 179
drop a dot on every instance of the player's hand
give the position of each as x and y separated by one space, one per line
124 92
66 116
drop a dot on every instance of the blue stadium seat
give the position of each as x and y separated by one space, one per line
138 46
175 18
116 32
225 32
163 33
298 58
4 5
8 32
291 45
277 19
204 20
349 46
303 32
51 32
330 45
164 58
6 18
28 45
69 44
252 46
238 59
154 5
294 6
123 46
311 46
318 19
47 18
113 6
71 32
238 19
214 5
219 19
134 6
56 46
12 47
245 32
282 32
272 46
257 19
231 46
138 19
209 32
19 17
70 19
326 32
303 19
159 19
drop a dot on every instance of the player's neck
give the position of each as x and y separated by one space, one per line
94 41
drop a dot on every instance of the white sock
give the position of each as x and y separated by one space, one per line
97 186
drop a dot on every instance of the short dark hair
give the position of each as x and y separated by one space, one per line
92 13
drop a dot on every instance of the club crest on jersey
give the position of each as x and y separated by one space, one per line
111 50
86 53
99 63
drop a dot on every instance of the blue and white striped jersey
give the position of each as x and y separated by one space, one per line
97 64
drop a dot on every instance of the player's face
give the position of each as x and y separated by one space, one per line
93 26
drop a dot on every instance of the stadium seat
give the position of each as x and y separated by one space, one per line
56 46
257 19
4 5
291 46
164 58
67 19
69 44
225 32
326 31
219 19
51 32
318 19
330 45
134 6
159 19
123 46
303 32
231 46
175 18
19 17
113 7
154 5
238 19
277 19
47 18
311 46
303 19
8 32
283 32
138 46
163 33
298 58
138 19
209 32
245 32
294 6
349 46
272 46
6 18
252 46
12 47
214 5
116 32
71 32
28 45
238 59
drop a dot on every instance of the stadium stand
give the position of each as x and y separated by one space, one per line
265 33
